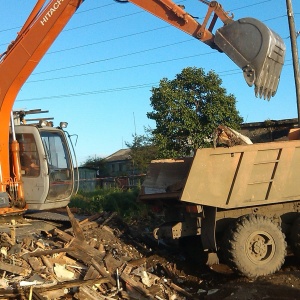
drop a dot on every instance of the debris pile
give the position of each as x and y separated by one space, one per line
228 137
75 264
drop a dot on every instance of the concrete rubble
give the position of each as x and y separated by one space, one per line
71 264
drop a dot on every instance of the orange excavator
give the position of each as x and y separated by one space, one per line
36 168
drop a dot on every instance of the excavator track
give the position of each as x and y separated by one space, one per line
48 216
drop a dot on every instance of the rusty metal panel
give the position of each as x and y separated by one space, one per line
244 175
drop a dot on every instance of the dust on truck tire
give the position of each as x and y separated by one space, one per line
254 246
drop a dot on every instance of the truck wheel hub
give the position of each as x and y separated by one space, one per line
260 247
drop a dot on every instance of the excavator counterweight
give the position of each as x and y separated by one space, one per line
257 50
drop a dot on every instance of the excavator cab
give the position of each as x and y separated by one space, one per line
257 50
46 166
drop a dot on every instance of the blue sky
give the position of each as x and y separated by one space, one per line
98 74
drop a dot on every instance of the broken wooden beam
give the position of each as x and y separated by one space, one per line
103 272
14 269
81 250
136 285
47 252
75 225
181 290
72 283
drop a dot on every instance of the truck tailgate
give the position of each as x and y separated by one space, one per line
165 179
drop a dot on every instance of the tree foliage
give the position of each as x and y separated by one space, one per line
142 151
96 163
188 109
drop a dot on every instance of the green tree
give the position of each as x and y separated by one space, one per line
188 109
142 151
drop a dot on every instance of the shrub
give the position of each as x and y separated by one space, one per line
111 200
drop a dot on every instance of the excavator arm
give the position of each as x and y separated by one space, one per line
175 15
250 44
257 50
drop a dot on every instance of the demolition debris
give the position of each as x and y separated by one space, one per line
70 264
101 257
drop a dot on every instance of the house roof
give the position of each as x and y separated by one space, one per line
271 123
122 154
269 130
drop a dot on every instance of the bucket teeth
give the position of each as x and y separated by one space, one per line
257 50
268 79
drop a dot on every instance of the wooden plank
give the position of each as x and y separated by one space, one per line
181 290
14 269
136 285
72 283
137 262
81 250
35 263
37 296
90 293
91 273
48 264
75 225
103 272
63 235
85 222
47 252
90 219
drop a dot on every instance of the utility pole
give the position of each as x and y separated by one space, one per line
293 37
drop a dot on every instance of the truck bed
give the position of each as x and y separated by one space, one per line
240 176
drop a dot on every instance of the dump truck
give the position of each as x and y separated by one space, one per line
242 201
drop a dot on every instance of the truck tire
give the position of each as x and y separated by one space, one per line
295 238
255 246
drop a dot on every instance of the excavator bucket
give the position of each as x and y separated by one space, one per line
257 50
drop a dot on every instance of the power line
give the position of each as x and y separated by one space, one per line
108 40
117 89
107 20
111 58
250 5
97 7
123 68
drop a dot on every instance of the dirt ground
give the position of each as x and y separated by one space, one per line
200 281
